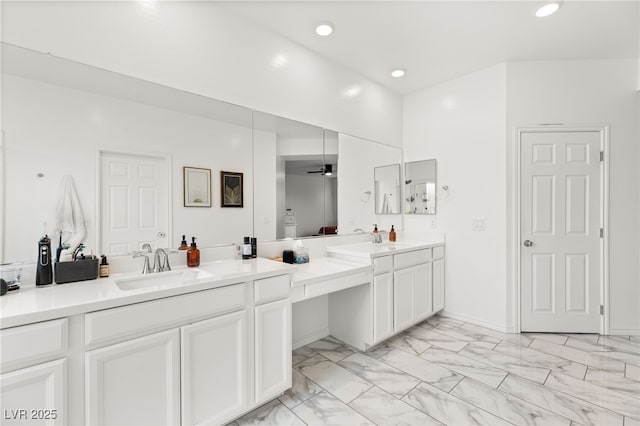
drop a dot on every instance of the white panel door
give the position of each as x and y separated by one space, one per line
438 285
214 369
135 382
273 349
34 395
133 202
560 231
382 307
422 291
403 307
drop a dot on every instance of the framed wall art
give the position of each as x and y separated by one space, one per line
231 189
197 187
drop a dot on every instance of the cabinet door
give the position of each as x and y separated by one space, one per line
134 382
214 369
422 291
273 349
403 307
382 307
438 285
34 395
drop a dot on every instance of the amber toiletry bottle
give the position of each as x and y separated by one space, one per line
392 235
193 254
104 267
183 244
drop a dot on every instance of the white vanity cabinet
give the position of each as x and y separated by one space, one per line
214 369
272 337
135 382
412 288
200 358
408 287
33 383
438 278
34 395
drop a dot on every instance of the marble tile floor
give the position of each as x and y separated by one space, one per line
447 372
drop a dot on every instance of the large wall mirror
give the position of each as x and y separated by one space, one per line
144 162
298 163
420 180
387 189
358 160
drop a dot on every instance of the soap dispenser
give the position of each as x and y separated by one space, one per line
392 235
183 244
193 254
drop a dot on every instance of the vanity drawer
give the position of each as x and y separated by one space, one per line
273 288
438 252
382 265
412 258
33 344
131 321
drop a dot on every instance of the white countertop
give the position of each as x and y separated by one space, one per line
31 304
369 250
326 268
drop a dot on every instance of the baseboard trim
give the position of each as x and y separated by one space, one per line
624 332
311 337
482 323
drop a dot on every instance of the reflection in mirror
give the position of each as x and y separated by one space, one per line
290 163
330 183
357 159
123 142
420 187
387 189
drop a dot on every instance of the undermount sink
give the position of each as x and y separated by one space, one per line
161 279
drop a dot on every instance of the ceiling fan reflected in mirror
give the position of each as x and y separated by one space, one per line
327 170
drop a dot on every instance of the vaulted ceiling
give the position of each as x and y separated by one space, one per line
436 41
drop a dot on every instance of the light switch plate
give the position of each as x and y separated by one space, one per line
477 224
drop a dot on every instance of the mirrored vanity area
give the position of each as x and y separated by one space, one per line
148 164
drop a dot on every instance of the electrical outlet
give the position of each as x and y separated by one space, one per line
434 223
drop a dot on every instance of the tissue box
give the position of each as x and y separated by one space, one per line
79 270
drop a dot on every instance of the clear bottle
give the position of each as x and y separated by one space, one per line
193 254
246 248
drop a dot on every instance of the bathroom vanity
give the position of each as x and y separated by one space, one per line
180 347
199 345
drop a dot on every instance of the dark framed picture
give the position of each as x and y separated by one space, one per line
197 187
231 189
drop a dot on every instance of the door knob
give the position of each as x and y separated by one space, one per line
528 243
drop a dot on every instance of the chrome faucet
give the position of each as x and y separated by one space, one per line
146 269
377 237
161 265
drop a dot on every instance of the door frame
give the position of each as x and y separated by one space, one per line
516 247
163 156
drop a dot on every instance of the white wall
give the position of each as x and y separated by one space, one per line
200 47
305 196
461 123
593 92
43 123
265 165
356 160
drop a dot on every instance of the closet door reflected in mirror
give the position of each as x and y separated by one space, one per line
420 180
386 183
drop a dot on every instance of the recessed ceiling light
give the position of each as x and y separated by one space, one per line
324 29
397 73
547 9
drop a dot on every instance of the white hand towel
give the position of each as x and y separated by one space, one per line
69 217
